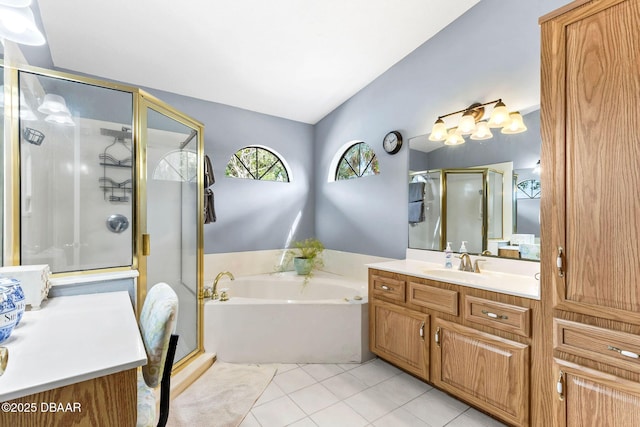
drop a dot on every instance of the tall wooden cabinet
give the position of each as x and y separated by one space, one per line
590 121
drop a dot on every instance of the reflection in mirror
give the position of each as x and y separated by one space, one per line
502 218
75 173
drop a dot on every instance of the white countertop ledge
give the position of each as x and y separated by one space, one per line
95 277
521 285
71 339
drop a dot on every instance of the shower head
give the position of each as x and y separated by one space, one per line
120 135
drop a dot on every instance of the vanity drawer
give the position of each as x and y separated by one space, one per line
615 348
498 315
444 300
388 288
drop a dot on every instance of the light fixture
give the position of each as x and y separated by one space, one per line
18 24
516 124
60 119
499 116
439 131
454 137
470 123
482 132
53 104
56 108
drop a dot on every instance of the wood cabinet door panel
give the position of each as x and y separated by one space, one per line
490 371
593 398
603 159
400 335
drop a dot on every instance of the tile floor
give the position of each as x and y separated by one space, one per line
374 393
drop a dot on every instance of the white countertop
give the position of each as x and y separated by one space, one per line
521 285
71 339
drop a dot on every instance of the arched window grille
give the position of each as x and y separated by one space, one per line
357 161
258 163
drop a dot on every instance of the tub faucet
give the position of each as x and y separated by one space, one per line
220 275
465 263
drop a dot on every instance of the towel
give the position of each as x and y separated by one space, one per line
416 191
209 179
209 210
416 212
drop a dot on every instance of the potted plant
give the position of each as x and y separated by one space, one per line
306 255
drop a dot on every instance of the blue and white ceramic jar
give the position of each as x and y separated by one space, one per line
8 313
17 294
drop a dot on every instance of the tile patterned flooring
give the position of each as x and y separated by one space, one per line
374 393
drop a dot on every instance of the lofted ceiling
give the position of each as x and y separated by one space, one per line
296 59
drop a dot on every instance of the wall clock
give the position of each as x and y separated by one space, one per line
392 142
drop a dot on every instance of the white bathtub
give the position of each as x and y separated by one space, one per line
271 318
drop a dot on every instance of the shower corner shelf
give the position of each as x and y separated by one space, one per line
116 191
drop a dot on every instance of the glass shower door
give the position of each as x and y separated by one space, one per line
173 215
465 209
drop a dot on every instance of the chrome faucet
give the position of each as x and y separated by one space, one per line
465 263
220 275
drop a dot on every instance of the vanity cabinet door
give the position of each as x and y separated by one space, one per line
489 371
591 398
400 336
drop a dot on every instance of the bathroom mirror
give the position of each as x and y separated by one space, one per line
76 170
507 225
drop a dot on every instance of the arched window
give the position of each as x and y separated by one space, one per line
357 161
259 163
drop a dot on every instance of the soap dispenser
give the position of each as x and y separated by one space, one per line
463 247
448 256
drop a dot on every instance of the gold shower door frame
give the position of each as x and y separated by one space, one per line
143 237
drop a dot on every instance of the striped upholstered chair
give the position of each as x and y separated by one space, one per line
157 325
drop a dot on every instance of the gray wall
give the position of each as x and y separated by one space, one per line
490 52
253 215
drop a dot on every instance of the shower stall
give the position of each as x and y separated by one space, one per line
107 178
455 205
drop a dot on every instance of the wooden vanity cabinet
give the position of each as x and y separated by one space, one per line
591 211
473 344
400 336
484 369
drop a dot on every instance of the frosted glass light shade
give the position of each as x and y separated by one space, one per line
60 119
499 116
54 104
516 124
454 138
18 25
438 132
467 123
482 132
